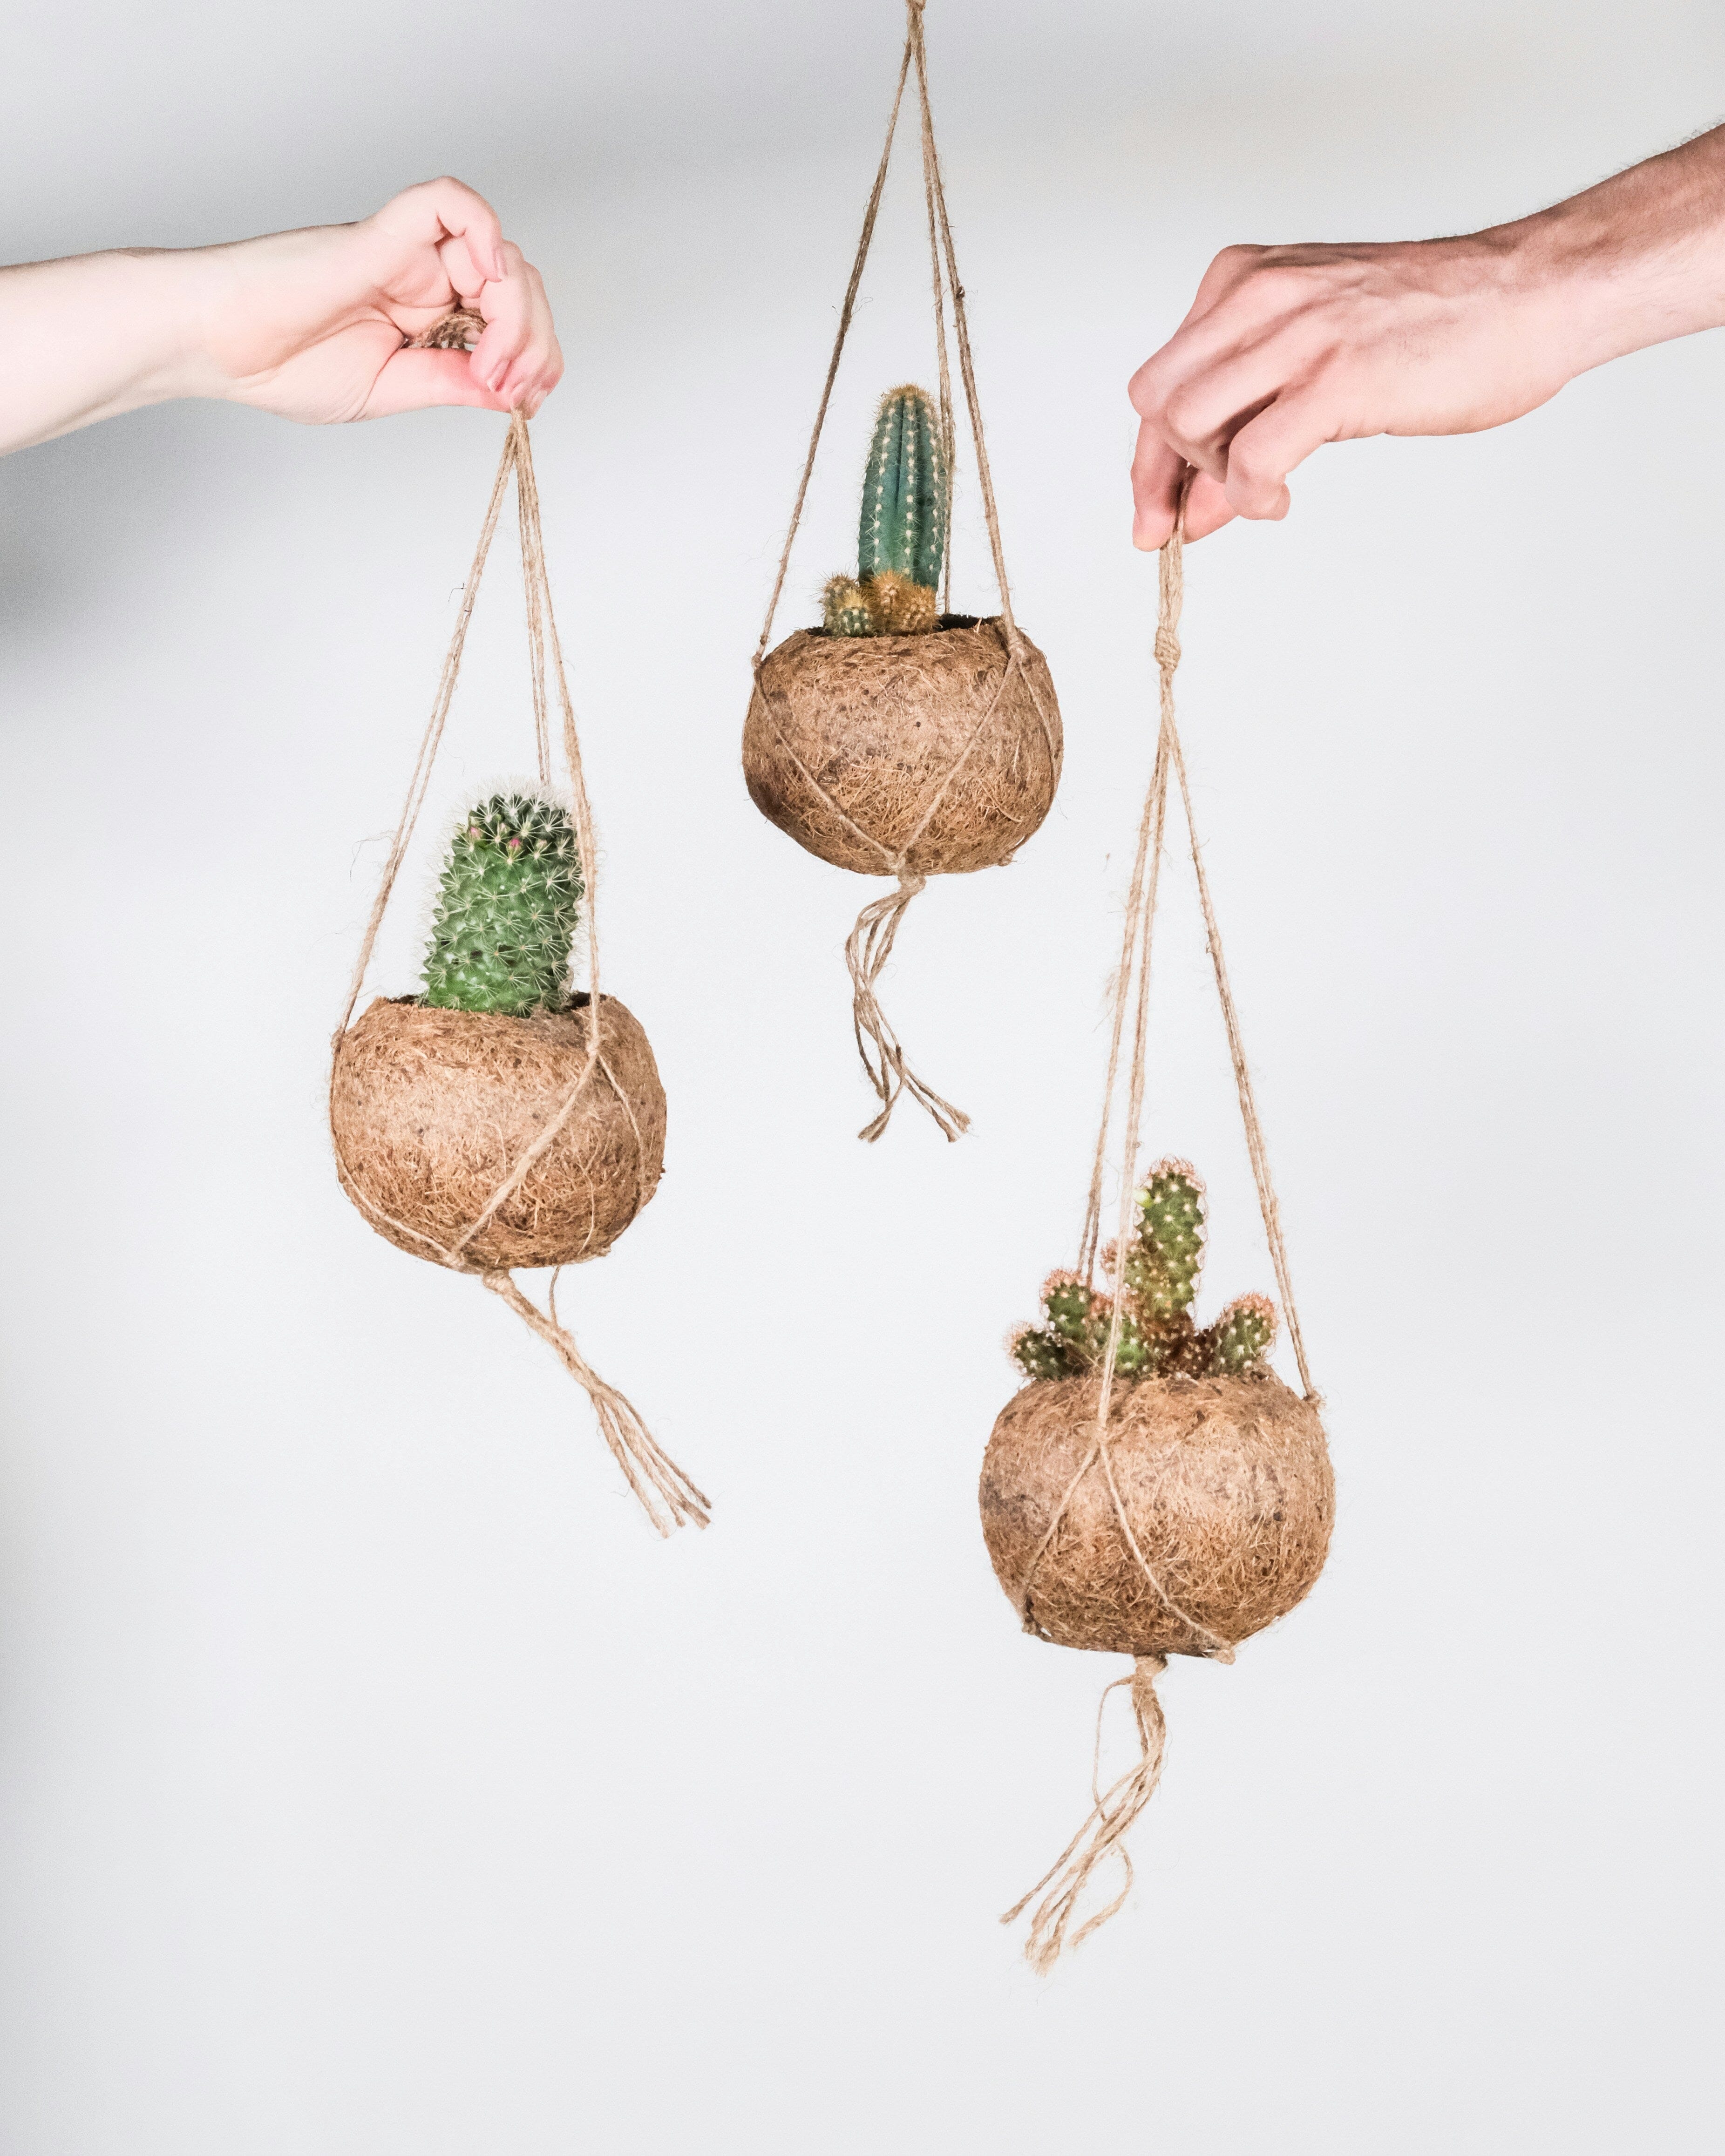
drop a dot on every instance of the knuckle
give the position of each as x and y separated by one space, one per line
1183 416
1144 390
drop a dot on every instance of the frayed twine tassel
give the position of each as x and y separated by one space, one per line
673 1502
1103 1834
866 952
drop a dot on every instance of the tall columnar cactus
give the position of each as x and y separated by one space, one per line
1157 1279
901 537
506 909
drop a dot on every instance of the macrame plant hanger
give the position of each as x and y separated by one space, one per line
869 944
1116 1808
666 1495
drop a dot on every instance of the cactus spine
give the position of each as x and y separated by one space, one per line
1157 1283
902 535
506 909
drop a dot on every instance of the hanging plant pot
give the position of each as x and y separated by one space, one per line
500 1121
433 1110
1223 1484
899 738
928 755
1154 1489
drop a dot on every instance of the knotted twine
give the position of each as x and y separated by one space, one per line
666 1495
1114 1809
869 943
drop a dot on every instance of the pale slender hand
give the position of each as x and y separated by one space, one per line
313 325
1287 348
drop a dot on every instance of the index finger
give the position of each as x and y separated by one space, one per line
444 209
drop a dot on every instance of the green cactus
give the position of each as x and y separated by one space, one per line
1166 1256
845 608
1240 1338
1156 1284
1039 1354
1067 1302
903 526
902 535
506 909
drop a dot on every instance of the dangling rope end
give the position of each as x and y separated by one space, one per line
1103 1834
663 1492
867 949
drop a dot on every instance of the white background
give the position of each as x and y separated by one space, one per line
374 1783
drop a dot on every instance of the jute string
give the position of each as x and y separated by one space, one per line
667 1495
1114 1810
870 942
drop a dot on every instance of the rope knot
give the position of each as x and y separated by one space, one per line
1168 650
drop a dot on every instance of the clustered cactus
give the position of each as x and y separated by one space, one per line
1156 1285
902 536
506 909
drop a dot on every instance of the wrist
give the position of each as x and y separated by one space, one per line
1632 263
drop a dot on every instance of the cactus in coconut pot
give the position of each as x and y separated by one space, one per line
1215 1470
856 728
437 1098
893 739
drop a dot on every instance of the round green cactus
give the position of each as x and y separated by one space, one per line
506 909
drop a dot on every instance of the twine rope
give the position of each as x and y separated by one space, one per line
1113 1812
870 940
666 1495
1104 1832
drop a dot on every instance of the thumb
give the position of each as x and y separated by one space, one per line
412 381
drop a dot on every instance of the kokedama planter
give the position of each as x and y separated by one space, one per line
916 754
433 1109
1225 1483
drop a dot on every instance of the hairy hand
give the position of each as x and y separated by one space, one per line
314 325
1289 348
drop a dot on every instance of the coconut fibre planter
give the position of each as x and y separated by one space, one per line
1226 1480
499 1121
910 756
1155 1489
434 1110
899 738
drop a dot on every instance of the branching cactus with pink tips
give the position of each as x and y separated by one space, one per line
1154 1287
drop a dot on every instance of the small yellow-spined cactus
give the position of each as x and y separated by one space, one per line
845 608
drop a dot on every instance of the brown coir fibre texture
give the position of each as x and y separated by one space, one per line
431 1110
875 724
1225 1482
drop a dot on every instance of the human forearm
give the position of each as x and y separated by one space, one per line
1638 259
1288 347
319 324
98 335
